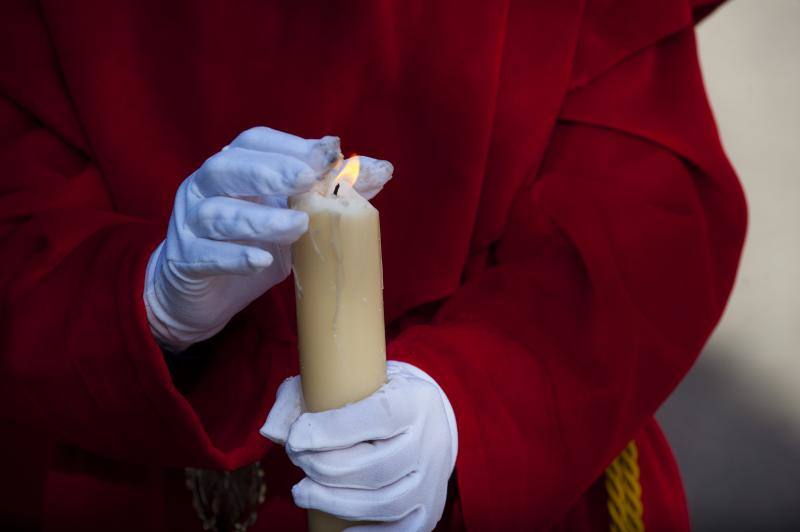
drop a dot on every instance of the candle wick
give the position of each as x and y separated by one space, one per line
336 189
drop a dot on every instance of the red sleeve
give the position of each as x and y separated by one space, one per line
77 358
614 268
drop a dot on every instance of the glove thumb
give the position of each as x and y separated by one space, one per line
287 408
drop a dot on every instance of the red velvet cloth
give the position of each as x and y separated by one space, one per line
559 240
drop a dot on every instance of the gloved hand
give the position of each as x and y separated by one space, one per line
230 232
384 459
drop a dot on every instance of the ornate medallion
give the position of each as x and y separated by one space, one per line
227 501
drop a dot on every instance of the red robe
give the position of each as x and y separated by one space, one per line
559 240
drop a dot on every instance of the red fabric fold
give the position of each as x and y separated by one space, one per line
615 266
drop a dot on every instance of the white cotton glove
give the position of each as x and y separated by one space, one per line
230 232
386 459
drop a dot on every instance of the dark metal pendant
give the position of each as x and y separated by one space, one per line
227 501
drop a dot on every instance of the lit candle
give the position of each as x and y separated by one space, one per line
339 292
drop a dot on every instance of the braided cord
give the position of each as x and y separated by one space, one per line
625 491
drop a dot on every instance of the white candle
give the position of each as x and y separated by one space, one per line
339 292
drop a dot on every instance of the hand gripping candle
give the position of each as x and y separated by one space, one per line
339 291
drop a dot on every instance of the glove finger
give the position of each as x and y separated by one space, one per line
287 408
390 503
386 413
373 175
368 465
223 218
201 257
238 172
394 367
319 154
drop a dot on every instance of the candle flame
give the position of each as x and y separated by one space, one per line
350 171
